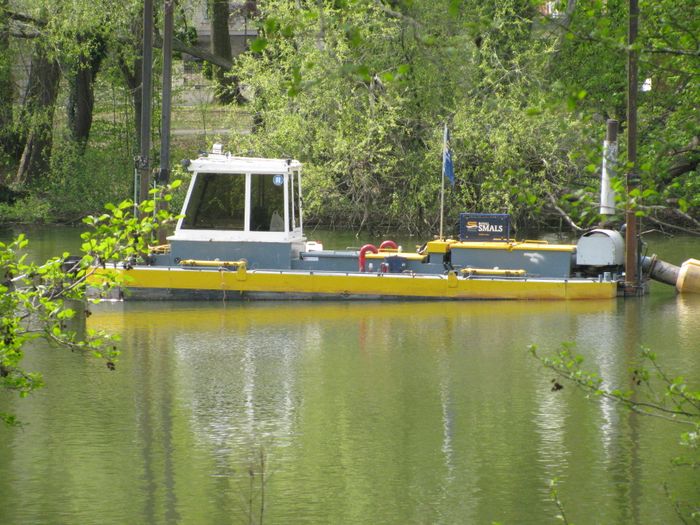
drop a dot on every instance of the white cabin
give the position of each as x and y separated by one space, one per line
242 199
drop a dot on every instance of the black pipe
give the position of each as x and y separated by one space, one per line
659 270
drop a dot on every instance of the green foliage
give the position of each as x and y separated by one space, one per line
668 130
360 91
30 209
120 235
39 301
81 182
674 402
653 393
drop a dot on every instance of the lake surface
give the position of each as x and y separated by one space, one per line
336 412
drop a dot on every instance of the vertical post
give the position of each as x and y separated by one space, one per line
442 202
442 183
607 195
164 173
632 278
143 162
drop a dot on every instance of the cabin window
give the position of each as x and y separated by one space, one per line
267 203
294 202
292 208
217 202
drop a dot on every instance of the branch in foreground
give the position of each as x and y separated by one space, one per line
685 402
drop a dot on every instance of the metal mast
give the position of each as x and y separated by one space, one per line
632 277
143 163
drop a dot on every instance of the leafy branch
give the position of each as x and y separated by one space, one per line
676 402
654 393
39 301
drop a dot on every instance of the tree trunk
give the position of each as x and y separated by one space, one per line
226 86
38 112
81 98
8 137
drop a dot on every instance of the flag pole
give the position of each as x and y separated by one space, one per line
442 183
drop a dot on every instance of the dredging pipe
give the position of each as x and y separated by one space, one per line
686 277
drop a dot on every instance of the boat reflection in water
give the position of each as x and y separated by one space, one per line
334 391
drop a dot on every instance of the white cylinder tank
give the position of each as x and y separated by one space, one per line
600 248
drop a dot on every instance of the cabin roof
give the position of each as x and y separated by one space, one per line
227 163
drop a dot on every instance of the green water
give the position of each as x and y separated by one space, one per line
350 413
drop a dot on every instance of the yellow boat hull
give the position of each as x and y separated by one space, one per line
165 283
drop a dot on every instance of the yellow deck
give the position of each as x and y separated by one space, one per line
370 285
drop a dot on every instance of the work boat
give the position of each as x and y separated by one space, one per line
241 237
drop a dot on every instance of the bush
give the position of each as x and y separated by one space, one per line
30 209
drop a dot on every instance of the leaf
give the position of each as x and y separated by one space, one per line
363 72
354 37
271 25
386 77
258 45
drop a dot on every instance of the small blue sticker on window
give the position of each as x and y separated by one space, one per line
278 180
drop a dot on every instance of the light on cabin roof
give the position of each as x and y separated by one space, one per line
217 148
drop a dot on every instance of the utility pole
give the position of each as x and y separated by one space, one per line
143 163
632 277
164 173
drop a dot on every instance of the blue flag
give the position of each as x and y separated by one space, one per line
447 167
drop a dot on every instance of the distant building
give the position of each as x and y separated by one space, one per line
240 26
194 87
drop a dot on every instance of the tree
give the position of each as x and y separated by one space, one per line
526 97
38 111
361 89
80 41
81 98
8 140
592 56
221 46
39 301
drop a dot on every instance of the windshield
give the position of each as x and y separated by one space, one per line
217 202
